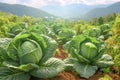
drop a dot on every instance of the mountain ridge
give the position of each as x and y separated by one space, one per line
21 10
69 11
72 11
98 12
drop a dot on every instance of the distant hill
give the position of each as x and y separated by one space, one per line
69 11
21 10
97 12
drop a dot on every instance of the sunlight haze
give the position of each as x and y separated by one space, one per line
41 3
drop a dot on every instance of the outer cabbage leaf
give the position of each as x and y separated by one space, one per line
47 31
12 74
23 67
49 69
85 70
3 53
49 50
69 62
72 46
105 61
28 67
4 42
8 62
81 58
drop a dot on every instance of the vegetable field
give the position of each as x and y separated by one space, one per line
56 49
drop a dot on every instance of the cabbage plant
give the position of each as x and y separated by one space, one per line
41 29
16 28
94 32
65 35
86 55
3 43
105 31
29 55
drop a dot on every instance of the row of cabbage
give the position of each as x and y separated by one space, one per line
30 51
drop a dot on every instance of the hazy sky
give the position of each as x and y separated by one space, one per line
40 3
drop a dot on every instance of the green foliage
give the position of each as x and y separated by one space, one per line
3 21
11 25
106 77
16 28
94 32
100 20
104 29
106 70
113 43
112 46
102 32
56 28
117 61
29 20
12 74
117 21
65 35
103 19
116 26
3 27
41 29
80 27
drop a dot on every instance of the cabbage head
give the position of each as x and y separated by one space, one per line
88 50
26 48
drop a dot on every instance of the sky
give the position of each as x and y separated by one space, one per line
41 3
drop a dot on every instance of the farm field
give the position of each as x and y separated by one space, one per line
57 49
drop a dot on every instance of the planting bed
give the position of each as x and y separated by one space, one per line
69 75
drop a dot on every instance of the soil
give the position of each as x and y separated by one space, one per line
115 73
60 53
114 76
69 75
63 76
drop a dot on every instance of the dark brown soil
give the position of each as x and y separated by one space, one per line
115 73
115 76
65 75
60 53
